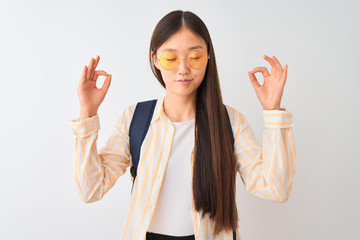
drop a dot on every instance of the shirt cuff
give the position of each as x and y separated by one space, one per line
277 118
86 126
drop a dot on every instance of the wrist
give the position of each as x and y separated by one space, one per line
85 115
271 109
274 108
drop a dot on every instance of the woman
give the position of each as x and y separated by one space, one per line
185 184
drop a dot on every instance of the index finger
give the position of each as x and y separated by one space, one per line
272 63
98 73
97 59
263 70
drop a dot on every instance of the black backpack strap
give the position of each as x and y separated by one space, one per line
138 128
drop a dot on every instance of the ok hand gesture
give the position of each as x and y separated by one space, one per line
270 93
90 96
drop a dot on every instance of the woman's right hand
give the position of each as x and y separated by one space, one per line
90 96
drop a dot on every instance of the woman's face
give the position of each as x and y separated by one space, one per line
185 45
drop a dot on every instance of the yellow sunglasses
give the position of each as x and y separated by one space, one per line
170 60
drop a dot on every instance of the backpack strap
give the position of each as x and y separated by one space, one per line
138 128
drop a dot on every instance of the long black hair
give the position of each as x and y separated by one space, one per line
214 174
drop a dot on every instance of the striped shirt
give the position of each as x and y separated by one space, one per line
267 171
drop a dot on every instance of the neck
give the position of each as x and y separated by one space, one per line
180 108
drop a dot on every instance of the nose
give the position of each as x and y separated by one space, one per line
184 67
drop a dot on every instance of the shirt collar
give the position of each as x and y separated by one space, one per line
159 113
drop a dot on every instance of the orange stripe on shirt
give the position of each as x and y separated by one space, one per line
279 123
77 124
80 169
87 131
277 114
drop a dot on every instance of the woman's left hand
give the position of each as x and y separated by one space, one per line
270 92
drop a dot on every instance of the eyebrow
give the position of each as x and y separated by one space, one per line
191 48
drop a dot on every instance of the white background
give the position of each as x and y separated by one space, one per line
45 44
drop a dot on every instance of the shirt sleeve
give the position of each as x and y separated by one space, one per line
95 173
267 171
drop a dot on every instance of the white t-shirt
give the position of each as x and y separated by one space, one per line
172 214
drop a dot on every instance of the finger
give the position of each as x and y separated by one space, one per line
284 75
270 60
272 63
98 73
90 68
83 75
106 85
277 63
263 70
253 80
95 65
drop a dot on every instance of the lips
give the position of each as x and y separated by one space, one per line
183 80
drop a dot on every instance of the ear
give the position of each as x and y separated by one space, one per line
155 61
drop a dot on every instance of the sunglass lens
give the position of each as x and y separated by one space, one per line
169 60
197 59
